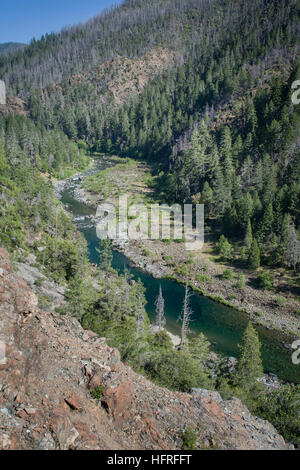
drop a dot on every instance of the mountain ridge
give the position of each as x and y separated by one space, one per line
7 47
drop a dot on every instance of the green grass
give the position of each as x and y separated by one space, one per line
203 278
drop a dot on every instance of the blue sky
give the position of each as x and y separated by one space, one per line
21 20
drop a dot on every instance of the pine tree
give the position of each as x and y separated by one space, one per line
3 163
292 256
207 197
245 210
106 256
266 224
254 255
199 347
225 248
248 236
249 367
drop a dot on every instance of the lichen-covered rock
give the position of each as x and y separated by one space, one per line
51 367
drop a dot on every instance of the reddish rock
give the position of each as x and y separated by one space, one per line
30 411
95 381
74 402
119 400
45 401
22 414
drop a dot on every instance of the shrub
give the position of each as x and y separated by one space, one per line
189 438
281 408
147 252
280 301
44 300
176 370
182 271
225 249
241 283
265 280
98 392
227 274
203 278
38 282
190 260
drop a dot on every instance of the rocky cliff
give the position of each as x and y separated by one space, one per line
51 366
13 105
10 104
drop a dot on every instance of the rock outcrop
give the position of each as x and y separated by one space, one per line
13 105
52 365
10 104
52 293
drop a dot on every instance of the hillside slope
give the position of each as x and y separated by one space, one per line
7 47
51 367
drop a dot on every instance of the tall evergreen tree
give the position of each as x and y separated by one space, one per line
248 236
106 255
254 255
249 367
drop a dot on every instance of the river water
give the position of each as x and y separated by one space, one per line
223 326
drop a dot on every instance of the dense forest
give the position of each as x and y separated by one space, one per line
137 26
217 126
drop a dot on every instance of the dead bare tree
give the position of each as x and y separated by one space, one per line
160 310
140 324
185 318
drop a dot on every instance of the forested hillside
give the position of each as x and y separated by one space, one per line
134 28
219 121
7 47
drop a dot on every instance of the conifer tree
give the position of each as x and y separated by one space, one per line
106 256
249 367
266 224
199 347
254 255
248 236
292 256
